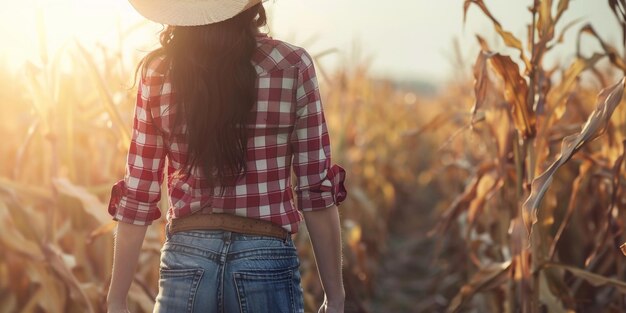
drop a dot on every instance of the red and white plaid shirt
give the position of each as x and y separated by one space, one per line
287 130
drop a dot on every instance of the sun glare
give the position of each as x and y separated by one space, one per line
37 29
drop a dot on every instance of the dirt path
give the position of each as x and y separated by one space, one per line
409 278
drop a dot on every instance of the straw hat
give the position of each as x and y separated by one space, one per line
191 12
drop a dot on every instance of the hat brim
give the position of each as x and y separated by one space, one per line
191 12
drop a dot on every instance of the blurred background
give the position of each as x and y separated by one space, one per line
445 115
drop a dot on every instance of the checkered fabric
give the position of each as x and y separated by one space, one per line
288 130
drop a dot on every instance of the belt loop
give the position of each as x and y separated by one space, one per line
228 236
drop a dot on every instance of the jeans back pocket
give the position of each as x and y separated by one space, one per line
177 290
268 291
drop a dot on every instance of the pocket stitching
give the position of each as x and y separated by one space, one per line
266 253
196 275
280 276
179 272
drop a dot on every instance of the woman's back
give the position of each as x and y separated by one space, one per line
285 125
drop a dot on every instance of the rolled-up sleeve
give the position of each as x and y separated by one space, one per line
134 199
320 184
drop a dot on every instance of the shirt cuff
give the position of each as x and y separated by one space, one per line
329 191
124 209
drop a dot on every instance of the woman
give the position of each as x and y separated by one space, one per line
233 111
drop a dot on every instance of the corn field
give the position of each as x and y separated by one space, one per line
504 192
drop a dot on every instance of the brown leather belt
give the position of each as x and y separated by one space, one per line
229 222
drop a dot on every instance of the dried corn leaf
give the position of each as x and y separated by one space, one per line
26 220
567 27
29 191
489 184
490 276
545 23
481 82
39 296
516 93
608 100
55 292
14 240
62 266
463 201
558 95
546 295
515 90
592 278
609 49
560 9
91 204
509 39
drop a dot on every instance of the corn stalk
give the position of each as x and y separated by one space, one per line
535 103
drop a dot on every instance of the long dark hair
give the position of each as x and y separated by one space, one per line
213 81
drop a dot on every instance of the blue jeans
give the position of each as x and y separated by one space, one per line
212 271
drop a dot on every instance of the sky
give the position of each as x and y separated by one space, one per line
404 39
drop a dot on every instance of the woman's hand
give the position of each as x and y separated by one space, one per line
331 307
